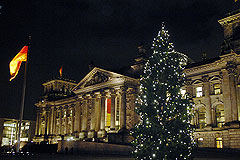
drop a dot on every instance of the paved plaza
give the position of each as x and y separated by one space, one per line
200 155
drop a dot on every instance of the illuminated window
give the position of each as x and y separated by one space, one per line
183 92
24 139
199 92
200 141
217 89
71 112
65 114
202 117
219 143
220 115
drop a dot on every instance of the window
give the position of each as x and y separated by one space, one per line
220 115
202 117
200 141
219 143
217 89
199 92
183 93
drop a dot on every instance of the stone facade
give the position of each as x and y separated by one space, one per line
213 85
103 103
101 106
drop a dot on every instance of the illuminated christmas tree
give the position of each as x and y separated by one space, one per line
164 130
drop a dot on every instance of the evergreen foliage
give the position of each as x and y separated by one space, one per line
164 130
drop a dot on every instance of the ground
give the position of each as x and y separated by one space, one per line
200 155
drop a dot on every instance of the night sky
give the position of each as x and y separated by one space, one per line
74 32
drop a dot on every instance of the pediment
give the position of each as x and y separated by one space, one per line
96 77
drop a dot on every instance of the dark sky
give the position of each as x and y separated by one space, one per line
74 32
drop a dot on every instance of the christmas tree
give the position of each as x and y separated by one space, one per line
164 130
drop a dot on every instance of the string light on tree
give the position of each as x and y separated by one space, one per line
164 130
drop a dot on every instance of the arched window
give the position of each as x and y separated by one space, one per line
201 117
220 115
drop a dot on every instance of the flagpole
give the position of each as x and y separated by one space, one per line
23 99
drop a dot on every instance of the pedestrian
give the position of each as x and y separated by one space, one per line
66 150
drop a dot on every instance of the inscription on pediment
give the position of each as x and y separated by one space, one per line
97 78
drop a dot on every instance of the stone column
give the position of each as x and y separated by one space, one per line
113 119
233 93
97 112
92 133
133 116
55 121
226 97
214 119
46 125
73 113
47 121
189 88
61 121
206 86
52 121
123 108
40 124
37 122
229 94
83 133
77 120
66 119
238 101
102 131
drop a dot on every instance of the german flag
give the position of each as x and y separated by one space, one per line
60 71
16 62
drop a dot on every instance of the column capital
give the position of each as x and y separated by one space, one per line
72 105
81 96
84 97
55 108
65 107
132 91
103 93
188 82
205 78
231 67
47 109
93 95
123 89
113 91
39 109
